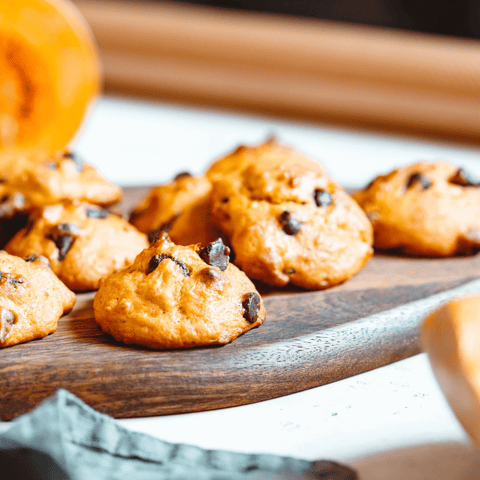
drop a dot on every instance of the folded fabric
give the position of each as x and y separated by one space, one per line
63 438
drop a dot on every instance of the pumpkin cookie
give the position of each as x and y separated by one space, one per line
32 299
13 214
14 207
286 219
430 209
181 208
83 242
45 179
176 296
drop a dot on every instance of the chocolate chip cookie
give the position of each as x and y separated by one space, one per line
46 179
429 209
286 219
83 242
176 296
32 299
34 179
13 213
181 208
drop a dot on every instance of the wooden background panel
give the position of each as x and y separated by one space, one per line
296 67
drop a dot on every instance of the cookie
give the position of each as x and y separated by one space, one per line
176 296
83 242
286 219
32 299
181 208
14 207
429 209
13 213
45 179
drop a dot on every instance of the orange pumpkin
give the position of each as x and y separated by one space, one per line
49 73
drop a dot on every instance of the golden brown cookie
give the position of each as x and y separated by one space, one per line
181 208
286 219
45 179
83 242
32 299
430 209
176 296
34 179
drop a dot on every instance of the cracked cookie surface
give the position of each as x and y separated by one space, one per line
429 209
32 299
83 242
286 219
176 296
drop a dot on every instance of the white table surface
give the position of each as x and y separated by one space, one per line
392 422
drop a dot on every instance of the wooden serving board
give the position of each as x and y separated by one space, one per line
308 340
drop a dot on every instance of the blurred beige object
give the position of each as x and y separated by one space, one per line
451 337
301 68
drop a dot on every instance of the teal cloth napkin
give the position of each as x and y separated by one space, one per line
63 438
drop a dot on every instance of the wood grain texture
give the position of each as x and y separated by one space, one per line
306 341
367 77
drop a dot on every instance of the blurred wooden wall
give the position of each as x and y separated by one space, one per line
299 68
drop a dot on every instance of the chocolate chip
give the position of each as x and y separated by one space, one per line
94 212
462 178
182 175
161 237
64 235
67 229
29 225
34 257
290 225
7 320
251 307
3 180
153 235
75 159
11 279
165 227
155 261
418 178
64 244
322 197
216 254
225 200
